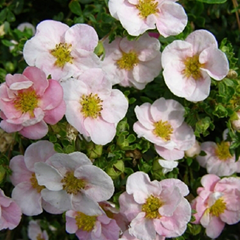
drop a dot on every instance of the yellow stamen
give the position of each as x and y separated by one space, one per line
222 151
26 101
163 130
71 184
128 60
151 207
35 184
62 53
91 105
85 222
192 67
147 7
218 207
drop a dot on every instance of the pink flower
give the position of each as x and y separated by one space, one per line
218 160
127 236
155 208
217 203
190 64
137 16
27 191
93 107
97 227
73 183
28 101
60 50
10 212
132 63
35 232
162 123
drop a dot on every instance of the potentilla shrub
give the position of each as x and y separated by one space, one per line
117 112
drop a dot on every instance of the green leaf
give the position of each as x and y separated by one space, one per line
75 8
10 16
3 14
213 1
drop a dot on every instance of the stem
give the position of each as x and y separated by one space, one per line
235 4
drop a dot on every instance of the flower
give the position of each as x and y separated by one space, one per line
35 232
155 207
127 236
140 15
162 124
73 183
93 107
27 191
28 101
60 50
132 63
10 212
217 203
218 159
97 227
188 65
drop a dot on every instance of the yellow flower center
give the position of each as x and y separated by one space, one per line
35 184
128 60
192 67
62 53
218 207
26 101
91 105
222 151
147 7
85 222
163 130
71 184
39 237
151 207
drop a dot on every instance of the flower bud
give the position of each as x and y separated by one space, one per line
116 170
194 150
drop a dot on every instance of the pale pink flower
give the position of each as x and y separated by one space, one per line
60 50
73 183
10 212
162 123
35 232
171 211
97 227
93 107
28 101
189 65
218 160
132 63
137 16
127 236
27 191
217 203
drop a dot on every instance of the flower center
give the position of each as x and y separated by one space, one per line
147 7
151 207
192 67
71 184
35 184
218 207
128 60
222 151
91 105
26 101
39 237
85 222
163 130
62 53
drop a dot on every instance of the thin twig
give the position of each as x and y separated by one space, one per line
235 4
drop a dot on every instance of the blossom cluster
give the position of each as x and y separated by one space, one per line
67 82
